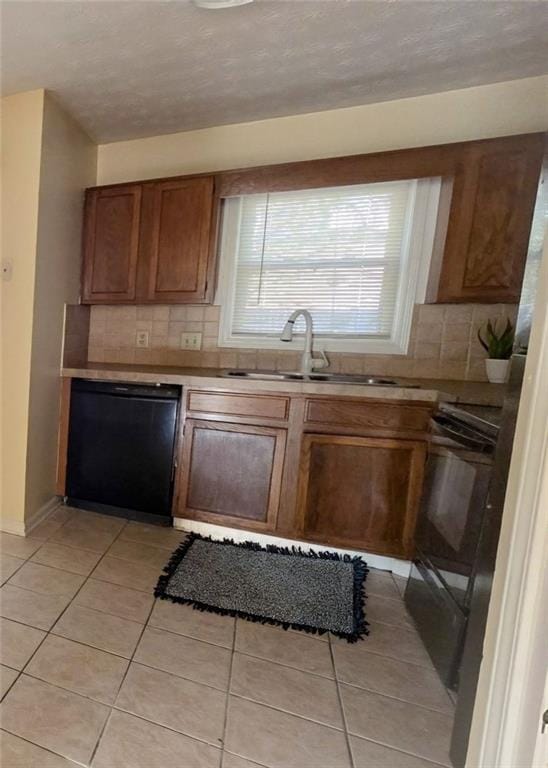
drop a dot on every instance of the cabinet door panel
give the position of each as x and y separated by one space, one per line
360 492
181 239
489 221
231 473
111 244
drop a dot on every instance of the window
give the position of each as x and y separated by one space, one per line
356 257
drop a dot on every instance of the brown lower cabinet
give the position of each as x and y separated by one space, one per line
338 471
333 470
231 474
360 492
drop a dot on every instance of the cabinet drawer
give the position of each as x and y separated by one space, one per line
260 406
346 413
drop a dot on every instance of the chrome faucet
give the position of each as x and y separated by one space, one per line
308 361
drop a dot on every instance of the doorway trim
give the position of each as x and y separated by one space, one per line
506 721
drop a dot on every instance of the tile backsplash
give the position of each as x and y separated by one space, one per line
443 344
76 335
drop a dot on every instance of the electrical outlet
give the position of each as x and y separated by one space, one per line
141 339
191 341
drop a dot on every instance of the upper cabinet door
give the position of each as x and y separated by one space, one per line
181 241
494 193
111 244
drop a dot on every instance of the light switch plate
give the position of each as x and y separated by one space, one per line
141 339
191 341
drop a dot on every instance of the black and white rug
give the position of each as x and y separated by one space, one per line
313 591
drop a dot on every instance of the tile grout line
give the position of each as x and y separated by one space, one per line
99 738
84 645
23 562
48 632
113 707
267 660
20 671
130 661
341 705
48 594
67 690
10 686
339 729
285 666
171 728
57 568
424 665
229 684
251 762
396 698
46 749
94 751
401 751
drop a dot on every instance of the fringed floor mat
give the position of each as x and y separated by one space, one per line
312 591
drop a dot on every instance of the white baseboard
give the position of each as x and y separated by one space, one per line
25 527
393 564
12 525
41 514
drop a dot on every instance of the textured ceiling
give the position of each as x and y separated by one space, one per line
141 68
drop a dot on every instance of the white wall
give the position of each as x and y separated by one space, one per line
518 106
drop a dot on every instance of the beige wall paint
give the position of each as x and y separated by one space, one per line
68 166
47 163
517 106
21 153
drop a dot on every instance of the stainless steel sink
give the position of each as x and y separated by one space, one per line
334 378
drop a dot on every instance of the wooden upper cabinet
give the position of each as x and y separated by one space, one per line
111 244
155 241
494 192
180 240
151 242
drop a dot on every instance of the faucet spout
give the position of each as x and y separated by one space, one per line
308 361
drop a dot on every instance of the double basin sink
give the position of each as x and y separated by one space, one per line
334 378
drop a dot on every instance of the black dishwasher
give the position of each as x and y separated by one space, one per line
121 448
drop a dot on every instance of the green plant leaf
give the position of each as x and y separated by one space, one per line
482 342
498 345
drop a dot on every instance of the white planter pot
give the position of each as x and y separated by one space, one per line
497 370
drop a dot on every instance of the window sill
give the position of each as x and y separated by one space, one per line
327 344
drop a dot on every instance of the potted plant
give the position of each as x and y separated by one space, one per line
499 350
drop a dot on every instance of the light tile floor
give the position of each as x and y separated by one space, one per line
95 672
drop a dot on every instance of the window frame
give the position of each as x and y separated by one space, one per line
417 248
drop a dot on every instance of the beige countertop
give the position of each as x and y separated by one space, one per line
477 393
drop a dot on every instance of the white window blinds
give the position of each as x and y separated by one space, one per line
340 252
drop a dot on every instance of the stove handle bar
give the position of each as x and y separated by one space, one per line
442 426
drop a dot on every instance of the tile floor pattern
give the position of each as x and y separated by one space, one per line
95 672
